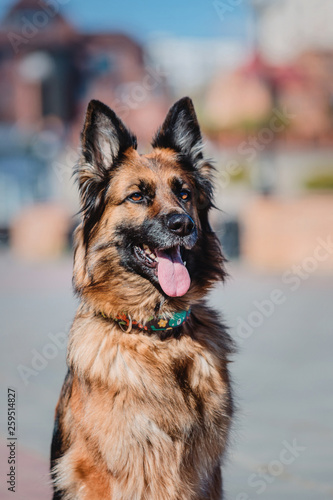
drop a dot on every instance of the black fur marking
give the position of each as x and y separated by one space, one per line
59 444
59 441
193 402
147 188
93 208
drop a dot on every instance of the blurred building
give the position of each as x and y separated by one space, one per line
290 27
301 90
190 63
225 110
49 69
308 95
48 73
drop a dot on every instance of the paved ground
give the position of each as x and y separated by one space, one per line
281 446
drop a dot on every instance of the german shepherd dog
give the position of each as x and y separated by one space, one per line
146 406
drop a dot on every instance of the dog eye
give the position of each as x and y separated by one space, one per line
136 197
185 195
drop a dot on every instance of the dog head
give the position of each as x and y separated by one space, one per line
145 236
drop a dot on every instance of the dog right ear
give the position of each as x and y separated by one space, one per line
181 132
104 137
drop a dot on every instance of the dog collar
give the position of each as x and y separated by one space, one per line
153 324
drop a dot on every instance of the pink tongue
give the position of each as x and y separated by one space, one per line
172 273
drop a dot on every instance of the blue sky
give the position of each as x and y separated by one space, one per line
147 18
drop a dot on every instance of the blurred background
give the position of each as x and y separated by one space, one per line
260 74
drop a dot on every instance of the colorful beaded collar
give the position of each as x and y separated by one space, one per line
153 324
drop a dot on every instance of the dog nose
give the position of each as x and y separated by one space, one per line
180 224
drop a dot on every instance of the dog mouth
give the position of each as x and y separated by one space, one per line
146 256
168 266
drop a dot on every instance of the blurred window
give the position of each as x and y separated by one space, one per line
103 64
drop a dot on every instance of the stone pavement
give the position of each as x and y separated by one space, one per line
281 444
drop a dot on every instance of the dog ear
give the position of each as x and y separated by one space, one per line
181 132
103 139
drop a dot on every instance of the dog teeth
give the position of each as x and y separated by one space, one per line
153 257
147 250
185 263
149 253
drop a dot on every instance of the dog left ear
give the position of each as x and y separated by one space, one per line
104 137
181 132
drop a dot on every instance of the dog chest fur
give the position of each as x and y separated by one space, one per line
155 406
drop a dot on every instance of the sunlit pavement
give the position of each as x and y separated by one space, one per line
281 444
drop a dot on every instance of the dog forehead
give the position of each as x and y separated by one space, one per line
160 166
162 158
